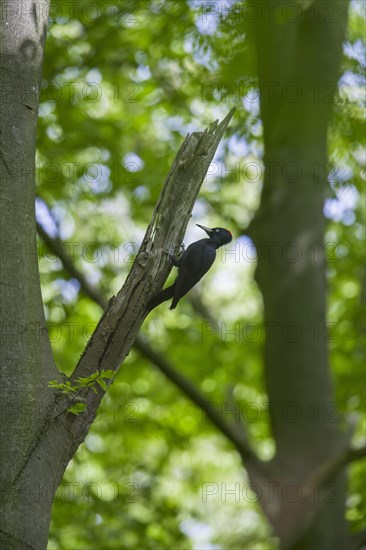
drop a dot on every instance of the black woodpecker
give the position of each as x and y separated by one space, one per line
192 265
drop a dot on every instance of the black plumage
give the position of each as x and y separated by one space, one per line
192 266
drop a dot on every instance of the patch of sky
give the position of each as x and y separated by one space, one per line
93 76
68 290
200 533
44 217
355 50
341 208
353 86
132 162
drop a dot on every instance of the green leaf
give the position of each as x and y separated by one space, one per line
102 384
107 373
77 408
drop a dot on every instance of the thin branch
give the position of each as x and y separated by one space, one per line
58 248
324 473
359 540
231 431
332 467
200 307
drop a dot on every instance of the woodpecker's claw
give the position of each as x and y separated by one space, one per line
169 254
173 260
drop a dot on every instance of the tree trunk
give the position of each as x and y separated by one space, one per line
26 358
298 64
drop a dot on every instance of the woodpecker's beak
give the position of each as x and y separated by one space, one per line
207 229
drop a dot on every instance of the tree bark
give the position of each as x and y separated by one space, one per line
298 66
26 358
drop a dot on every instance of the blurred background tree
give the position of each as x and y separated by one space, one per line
122 85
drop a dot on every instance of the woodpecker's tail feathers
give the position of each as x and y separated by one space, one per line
160 297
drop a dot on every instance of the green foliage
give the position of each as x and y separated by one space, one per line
86 382
122 85
74 389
